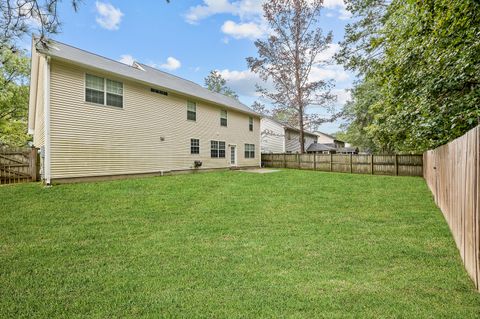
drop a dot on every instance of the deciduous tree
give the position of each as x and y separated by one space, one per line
419 71
216 83
287 57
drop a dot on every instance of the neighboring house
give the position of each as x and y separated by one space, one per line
278 137
320 148
347 150
336 146
92 117
329 140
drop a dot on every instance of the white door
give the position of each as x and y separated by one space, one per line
233 155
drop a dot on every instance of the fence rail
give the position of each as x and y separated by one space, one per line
405 165
18 165
452 173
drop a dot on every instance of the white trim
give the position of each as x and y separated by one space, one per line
230 155
46 105
32 101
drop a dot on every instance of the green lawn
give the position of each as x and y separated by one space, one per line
231 245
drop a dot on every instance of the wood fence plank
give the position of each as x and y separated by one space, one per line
452 173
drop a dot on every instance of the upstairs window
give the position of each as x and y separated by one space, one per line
250 124
103 91
223 118
217 149
191 111
194 146
249 150
94 89
114 93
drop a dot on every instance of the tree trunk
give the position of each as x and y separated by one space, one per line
298 88
302 134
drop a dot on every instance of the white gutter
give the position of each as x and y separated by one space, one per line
46 106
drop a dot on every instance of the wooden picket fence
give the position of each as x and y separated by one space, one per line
404 165
18 165
452 173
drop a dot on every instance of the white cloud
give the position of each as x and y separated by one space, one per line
343 96
171 64
332 4
339 6
328 54
240 8
242 82
108 17
127 59
330 72
249 30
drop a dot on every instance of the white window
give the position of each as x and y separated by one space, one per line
249 150
194 146
217 149
94 89
250 124
103 91
223 118
191 111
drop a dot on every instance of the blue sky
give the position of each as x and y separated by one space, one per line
190 38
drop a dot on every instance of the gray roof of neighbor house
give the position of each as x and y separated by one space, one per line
319 147
347 150
144 73
287 126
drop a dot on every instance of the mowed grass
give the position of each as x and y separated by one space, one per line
296 244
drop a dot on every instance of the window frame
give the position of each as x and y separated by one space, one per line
220 152
193 147
190 112
223 120
105 92
249 150
250 123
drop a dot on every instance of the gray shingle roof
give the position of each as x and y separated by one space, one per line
287 126
319 147
348 150
148 75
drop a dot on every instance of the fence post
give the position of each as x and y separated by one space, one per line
351 165
371 164
331 162
298 161
284 160
396 164
314 161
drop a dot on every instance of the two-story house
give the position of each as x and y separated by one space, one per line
95 117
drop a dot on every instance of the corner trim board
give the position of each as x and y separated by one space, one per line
46 101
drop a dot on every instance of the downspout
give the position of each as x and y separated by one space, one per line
46 106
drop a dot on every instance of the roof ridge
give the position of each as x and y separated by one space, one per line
92 53
178 77
136 71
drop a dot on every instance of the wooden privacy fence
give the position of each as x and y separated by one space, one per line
405 165
452 173
18 165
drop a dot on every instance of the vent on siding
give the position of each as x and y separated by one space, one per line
159 92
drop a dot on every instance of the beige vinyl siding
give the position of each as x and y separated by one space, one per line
324 139
272 136
95 140
39 131
293 144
